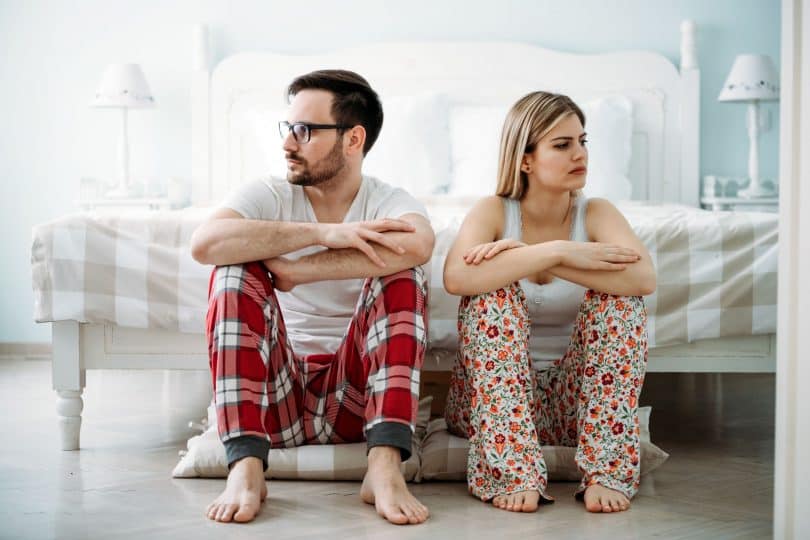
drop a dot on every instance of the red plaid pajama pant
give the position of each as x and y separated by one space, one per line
268 396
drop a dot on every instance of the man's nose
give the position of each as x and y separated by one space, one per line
288 143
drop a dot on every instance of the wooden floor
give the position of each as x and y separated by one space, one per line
718 482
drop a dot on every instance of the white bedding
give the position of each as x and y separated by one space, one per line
716 271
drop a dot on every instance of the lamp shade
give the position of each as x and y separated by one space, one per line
124 86
753 76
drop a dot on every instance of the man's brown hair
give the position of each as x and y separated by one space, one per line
354 101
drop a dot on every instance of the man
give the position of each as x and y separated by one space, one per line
327 348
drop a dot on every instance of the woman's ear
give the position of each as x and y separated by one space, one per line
356 139
525 166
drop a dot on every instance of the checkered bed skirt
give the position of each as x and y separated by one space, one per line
716 271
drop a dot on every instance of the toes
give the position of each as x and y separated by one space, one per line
593 506
225 512
410 510
420 511
530 503
393 514
245 513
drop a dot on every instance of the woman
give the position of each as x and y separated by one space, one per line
541 257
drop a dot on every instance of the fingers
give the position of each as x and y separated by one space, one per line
604 265
494 250
502 245
628 254
389 224
475 254
610 257
479 256
366 248
382 240
478 253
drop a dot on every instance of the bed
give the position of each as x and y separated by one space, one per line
122 292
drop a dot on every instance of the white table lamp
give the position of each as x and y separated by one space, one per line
124 87
753 78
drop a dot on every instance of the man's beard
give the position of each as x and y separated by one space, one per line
323 171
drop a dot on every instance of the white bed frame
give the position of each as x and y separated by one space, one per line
664 167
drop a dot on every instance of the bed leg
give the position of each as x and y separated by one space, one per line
68 381
69 407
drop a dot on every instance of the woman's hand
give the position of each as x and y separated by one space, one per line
595 255
478 253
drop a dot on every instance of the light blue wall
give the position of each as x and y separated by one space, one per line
54 53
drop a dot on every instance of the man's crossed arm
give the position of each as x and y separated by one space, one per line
355 249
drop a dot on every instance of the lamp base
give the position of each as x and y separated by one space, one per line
123 192
757 192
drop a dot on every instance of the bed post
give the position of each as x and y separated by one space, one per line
68 380
690 116
200 117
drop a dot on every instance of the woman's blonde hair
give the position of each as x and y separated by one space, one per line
527 122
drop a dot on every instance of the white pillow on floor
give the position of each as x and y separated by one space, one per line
444 456
205 457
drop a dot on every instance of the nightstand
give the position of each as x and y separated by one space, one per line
764 204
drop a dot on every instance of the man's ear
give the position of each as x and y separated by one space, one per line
355 139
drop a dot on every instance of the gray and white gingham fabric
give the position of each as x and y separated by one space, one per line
716 274
716 271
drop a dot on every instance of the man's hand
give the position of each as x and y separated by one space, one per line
279 268
359 234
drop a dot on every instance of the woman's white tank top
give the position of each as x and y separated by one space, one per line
553 307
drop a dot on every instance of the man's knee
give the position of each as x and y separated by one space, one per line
243 277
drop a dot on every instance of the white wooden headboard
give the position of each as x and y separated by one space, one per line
666 123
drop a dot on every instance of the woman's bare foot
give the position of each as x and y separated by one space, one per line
384 487
519 501
601 499
243 495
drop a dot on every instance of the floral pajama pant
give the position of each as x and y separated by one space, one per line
587 399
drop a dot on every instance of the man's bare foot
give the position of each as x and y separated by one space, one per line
519 501
601 499
384 487
243 495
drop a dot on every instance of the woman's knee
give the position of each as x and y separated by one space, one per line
626 307
510 296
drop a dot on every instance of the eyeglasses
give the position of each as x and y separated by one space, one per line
301 131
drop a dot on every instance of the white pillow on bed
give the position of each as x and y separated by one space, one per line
609 124
413 149
475 135
475 132
267 144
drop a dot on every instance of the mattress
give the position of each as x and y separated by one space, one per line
717 271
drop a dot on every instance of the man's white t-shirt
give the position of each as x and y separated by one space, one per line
317 315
